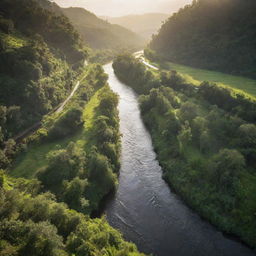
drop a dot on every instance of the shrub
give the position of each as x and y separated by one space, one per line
63 165
67 124
226 167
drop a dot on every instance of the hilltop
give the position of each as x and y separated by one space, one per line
100 34
211 34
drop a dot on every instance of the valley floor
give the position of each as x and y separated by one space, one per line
196 75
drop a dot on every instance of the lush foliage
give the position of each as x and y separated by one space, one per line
82 175
206 147
83 167
78 173
40 54
35 224
211 34
134 73
29 18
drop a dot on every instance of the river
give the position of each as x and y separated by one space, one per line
144 208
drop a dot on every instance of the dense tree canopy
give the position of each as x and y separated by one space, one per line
38 225
40 55
211 34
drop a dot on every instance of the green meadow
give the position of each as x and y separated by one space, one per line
196 75
35 157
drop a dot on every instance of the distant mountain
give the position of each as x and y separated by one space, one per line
145 25
100 34
212 34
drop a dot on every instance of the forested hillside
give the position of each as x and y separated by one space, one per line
40 54
211 34
206 145
145 24
100 34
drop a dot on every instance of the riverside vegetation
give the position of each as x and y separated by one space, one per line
40 54
79 166
77 152
55 178
205 138
52 181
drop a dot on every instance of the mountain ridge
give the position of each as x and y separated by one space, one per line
144 24
100 34
215 35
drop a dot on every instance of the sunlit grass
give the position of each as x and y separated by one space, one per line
196 76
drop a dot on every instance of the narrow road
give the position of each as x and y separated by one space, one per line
140 56
59 109
68 98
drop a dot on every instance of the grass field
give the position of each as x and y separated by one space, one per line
35 158
196 75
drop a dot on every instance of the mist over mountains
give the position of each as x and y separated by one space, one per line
145 24
115 8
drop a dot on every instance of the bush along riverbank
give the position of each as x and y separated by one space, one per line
205 141
34 223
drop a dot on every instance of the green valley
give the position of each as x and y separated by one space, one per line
107 149
56 176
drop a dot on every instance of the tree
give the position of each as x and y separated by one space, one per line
100 172
184 136
63 165
74 192
247 135
108 103
205 141
10 147
199 125
172 124
67 124
225 168
14 117
188 111
172 79
42 239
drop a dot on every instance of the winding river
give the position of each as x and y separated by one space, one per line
144 209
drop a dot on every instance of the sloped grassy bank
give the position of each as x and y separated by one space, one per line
205 138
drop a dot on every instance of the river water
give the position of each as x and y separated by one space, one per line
144 208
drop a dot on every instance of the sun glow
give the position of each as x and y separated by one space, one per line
124 7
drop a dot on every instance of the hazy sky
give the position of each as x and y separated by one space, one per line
124 7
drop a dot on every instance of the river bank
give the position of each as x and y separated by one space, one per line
144 209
